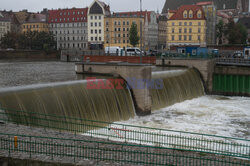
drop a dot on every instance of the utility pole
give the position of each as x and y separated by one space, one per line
141 30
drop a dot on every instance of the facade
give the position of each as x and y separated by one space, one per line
150 38
96 14
69 27
35 22
5 25
187 26
117 30
234 5
210 14
162 32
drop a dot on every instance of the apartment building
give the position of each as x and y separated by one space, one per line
35 22
69 27
5 25
187 26
96 15
117 28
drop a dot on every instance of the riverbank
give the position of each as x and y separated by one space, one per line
68 148
29 55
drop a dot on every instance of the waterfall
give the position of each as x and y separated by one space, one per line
178 85
70 99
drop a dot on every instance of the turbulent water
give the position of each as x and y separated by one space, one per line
216 115
228 116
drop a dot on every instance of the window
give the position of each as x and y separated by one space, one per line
190 14
172 37
78 12
96 24
185 14
91 38
172 23
107 23
119 23
91 24
115 22
199 23
185 37
100 31
91 17
190 23
100 24
100 38
119 29
185 30
96 31
127 22
91 31
199 30
185 23
199 38
124 23
180 37
115 30
95 38
100 17
124 29
180 30
95 17
74 13
190 30
180 23
107 29
190 37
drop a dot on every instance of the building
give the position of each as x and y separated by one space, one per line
97 12
117 29
5 25
210 14
35 22
150 37
234 5
187 26
162 31
69 27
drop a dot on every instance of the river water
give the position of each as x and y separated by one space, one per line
226 116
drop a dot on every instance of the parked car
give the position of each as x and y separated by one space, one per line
114 51
134 51
238 54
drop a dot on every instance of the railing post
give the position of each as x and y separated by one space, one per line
30 145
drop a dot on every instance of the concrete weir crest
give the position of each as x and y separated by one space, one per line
141 96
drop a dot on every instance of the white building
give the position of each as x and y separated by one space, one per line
96 13
5 25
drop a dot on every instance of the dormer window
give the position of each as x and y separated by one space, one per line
185 14
199 14
190 14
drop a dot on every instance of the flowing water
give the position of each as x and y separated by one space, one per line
180 105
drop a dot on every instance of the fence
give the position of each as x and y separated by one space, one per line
233 61
73 151
134 134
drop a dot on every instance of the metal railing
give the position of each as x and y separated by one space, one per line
75 150
134 134
233 61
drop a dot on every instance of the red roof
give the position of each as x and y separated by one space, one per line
68 15
195 8
204 3
135 13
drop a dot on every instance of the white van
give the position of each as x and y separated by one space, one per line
134 51
114 51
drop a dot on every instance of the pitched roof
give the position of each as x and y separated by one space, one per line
4 17
135 14
68 15
174 4
195 8
22 16
36 18
245 21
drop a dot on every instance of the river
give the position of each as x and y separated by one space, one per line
219 115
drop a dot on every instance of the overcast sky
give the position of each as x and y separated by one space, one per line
116 5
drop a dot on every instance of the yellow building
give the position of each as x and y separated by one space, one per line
187 26
35 22
117 30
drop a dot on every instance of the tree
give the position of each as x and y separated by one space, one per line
9 40
236 33
133 35
220 31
